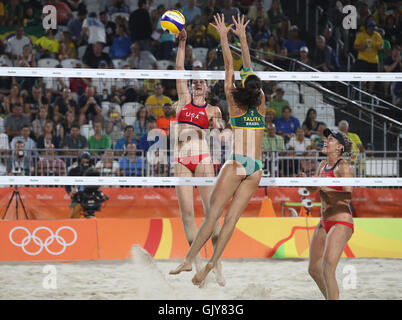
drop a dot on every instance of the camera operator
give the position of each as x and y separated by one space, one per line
19 164
85 161
91 197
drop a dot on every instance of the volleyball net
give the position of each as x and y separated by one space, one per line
140 176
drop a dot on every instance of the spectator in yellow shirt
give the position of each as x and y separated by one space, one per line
67 47
257 10
211 33
368 43
47 45
156 101
196 33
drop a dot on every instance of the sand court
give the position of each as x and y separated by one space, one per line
142 277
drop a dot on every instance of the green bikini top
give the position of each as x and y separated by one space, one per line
252 119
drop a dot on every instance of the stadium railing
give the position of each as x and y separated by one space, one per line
285 163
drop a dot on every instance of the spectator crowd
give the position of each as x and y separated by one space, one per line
112 117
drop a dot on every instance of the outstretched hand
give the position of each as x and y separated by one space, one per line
182 35
240 25
220 25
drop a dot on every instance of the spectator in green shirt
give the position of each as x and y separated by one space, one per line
272 141
277 103
318 138
99 141
385 51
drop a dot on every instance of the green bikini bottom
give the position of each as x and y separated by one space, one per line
251 165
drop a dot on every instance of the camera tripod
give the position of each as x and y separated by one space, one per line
17 195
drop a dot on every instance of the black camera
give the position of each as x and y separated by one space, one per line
91 198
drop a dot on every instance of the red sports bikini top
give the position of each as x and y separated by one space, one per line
329 173
195 115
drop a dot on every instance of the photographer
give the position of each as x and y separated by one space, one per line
85 162
19 164
29 144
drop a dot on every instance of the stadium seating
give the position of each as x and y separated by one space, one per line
289 87
292 97
326 114
87 130
257 66
81 51
129 120
299 111
129 109
164 64
119 63
311 96
70 63
106 106
48 63
4 60
381 167
291 92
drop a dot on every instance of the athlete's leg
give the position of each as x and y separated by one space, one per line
206 169
223 190
337 239
205 193
241 198
317 246
185 197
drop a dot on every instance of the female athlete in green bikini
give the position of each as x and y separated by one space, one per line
240 176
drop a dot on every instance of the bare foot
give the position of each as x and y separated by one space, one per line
185 266
200 276
218 274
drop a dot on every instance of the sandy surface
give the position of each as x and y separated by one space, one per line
144 278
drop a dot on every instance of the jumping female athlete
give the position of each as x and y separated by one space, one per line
240 176
336 225
192 156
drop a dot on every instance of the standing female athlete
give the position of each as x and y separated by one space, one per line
336 225
241 174
192 157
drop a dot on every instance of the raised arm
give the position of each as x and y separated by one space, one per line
181 84
240 32
227 55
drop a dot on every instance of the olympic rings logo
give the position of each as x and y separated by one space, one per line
43 244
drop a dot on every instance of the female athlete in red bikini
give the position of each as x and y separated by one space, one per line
336 225
192 157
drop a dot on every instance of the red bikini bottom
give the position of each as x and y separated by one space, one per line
328 224
192 161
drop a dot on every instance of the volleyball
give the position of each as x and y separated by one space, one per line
173 21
